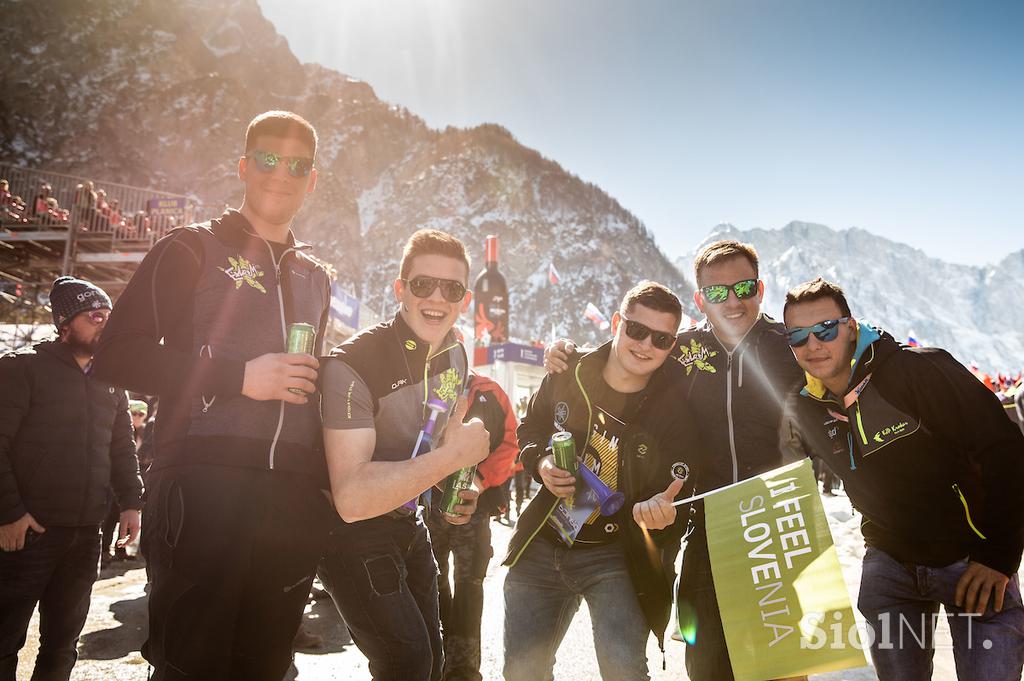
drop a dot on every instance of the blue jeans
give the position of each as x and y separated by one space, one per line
56 569
901 604
542 593
383 579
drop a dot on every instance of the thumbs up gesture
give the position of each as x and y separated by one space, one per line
657 513
469 441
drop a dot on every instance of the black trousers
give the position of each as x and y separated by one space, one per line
461 612
56 569
232 553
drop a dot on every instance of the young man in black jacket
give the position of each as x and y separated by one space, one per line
65 442
929 459
378 388
236 519
631 426
737 371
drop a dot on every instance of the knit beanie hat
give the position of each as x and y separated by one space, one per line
69 296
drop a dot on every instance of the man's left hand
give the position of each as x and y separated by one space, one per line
466 509
657 513
129 527
977 584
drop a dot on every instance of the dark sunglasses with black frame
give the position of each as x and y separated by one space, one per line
659 339
825 331
422 287
719 293
266 162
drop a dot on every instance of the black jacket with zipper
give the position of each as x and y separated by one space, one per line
206 299
661 441
739 398
925 453
65 441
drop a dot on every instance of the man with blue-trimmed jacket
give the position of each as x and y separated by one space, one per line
927 456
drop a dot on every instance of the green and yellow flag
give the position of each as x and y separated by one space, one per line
784 604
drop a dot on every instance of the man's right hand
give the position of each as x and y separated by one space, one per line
269 376
12 535
559 482
556 355
470 440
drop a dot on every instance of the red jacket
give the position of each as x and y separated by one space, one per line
490 404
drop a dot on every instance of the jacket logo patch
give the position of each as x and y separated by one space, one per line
410 345
680 471
561 413
449 388
697 355
244 272
895 430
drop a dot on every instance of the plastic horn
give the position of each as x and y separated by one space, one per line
426 435
436 407
610 501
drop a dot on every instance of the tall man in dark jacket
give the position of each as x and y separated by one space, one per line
236 520
928 457
65 441
623 406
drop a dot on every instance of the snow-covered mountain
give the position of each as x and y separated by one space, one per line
157 93
977 313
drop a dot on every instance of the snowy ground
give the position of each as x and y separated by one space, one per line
117 621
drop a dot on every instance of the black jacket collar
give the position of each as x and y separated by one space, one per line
233 228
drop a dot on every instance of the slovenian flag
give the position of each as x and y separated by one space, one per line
595 315
553 275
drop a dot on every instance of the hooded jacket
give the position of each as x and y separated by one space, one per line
660 444
925 454
205 300
65 441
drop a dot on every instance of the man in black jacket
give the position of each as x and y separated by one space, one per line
623 406
737 373
929 459
236 519
65 441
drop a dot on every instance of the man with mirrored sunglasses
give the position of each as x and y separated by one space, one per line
237 517
936 469
623 405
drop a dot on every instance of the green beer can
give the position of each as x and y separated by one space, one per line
301 338
457 481
564 449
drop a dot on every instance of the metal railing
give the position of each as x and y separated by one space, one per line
132 217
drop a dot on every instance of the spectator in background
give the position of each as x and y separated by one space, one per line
5 193
86 206
115 215
470 544
55 414
39 206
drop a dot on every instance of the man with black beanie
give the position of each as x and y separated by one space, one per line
65 441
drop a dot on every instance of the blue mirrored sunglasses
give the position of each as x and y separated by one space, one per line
825 331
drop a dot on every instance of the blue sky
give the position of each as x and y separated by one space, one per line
903 118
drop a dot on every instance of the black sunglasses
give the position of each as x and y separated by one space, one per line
298 166
719 293
659 339
825 331
421 287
